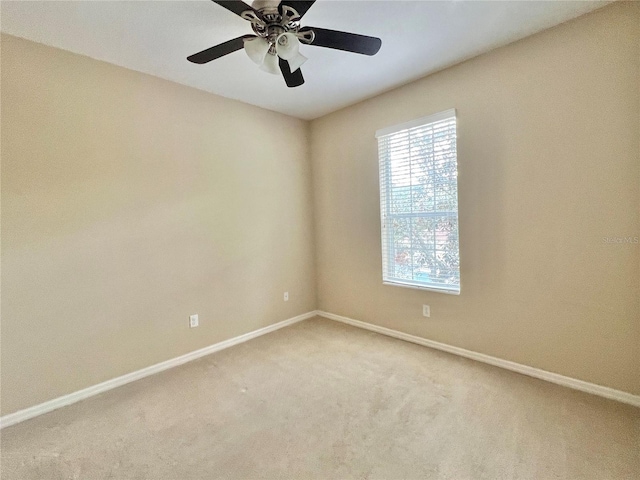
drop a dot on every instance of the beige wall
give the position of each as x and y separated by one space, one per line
549 164
128 203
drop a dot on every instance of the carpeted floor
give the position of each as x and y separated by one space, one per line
324 400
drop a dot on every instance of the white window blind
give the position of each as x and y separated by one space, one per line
419 203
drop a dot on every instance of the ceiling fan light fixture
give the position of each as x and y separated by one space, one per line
296 62
256 49
287 46
270 64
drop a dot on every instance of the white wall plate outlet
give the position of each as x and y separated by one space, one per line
193 321
286 296
426 310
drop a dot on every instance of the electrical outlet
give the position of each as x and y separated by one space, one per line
426 310
193 321
286 296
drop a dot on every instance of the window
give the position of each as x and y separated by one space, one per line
419 203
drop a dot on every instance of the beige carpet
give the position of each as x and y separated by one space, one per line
324 400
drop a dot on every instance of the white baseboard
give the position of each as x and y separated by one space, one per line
48 406
31 412
619 395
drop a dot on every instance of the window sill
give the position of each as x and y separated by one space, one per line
421 287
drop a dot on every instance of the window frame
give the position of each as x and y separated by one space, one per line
385 210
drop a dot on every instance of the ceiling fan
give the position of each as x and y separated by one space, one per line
278 34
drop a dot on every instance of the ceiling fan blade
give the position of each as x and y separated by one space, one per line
218 51
292 79
350 42
300 6
237 7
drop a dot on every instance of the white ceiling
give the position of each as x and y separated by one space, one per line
155 37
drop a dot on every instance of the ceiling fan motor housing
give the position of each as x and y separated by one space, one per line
261 4
274 21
